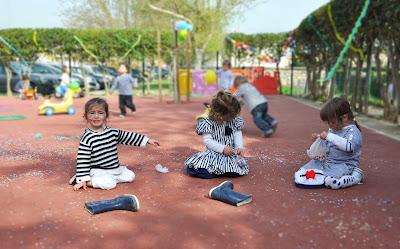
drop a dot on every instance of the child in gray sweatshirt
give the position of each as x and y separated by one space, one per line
124 83
257 105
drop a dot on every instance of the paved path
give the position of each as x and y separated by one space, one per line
40 210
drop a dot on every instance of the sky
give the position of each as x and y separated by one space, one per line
272 16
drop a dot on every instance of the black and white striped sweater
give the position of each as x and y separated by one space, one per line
99 150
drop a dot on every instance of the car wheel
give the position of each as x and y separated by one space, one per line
22 96
71 110
49 111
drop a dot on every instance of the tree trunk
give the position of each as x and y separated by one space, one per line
346 83
199 58
9 75
279 77
85 83
389 114
357 85
396 81
367 79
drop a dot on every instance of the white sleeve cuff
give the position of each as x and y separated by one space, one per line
83 179
144 141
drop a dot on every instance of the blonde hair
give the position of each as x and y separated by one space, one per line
239 80
223 104
64 69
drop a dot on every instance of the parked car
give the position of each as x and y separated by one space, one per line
113 71
164 73
44 68
99 78
45 83
135 72
97 70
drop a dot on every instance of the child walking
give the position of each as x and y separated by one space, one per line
65 79
343 144
124 83
97 163
222 135
226 76
257 105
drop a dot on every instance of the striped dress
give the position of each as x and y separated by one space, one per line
217 163
340 161
98 151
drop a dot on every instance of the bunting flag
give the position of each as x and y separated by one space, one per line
132 47
348 42
87 51
248 47
41 49
16 51
320 36
357 50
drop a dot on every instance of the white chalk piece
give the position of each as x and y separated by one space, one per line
161 169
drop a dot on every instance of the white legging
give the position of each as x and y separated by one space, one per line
108 181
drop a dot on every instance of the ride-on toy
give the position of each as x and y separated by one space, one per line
204 115
66 106
28 94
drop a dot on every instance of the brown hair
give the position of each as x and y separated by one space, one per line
223 105
239 80
128 70
64 69
227 62
95 101
334 110
25 77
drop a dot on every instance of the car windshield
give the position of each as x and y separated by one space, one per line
19 67
76 70
54 68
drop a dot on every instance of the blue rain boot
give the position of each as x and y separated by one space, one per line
224 192
123 202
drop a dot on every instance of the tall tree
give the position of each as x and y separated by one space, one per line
209 17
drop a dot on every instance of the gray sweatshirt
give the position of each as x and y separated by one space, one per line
250 95
124 83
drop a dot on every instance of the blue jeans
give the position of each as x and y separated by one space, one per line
261 117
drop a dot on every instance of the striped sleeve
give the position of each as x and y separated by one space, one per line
83 163
343 143
131 138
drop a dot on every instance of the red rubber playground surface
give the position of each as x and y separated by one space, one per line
40 210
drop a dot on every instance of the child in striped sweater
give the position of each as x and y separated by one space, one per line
97 163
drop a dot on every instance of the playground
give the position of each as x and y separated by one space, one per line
39 209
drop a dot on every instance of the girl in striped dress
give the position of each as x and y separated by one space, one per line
97 163
222 135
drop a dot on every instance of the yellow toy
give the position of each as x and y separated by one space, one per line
203 116
66 106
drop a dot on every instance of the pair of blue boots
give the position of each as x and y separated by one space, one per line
223 192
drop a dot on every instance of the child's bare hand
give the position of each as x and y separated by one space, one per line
323 135
240 152
228 151
110 92
153 142
314 136
80 185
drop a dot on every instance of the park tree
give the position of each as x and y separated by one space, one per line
209 17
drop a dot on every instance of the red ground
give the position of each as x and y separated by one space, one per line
40 210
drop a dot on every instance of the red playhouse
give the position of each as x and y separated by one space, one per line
264 83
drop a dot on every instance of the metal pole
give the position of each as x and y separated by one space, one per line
217 60
178 95
159 65
188 67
